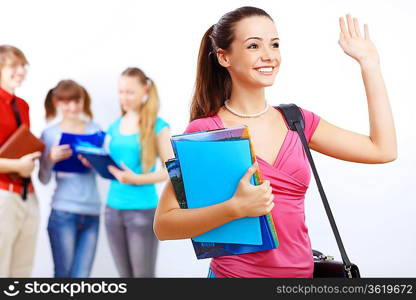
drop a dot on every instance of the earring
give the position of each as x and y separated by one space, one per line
145 98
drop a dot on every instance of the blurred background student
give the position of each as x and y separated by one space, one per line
136 140
19 212
74 219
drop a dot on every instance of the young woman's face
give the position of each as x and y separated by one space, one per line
131 93
254 56
71 109
12 74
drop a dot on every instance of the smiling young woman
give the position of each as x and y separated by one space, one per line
73 223
239 57
19 215
137 139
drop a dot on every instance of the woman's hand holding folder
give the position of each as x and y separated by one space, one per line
22 166
172 222
252 200
84 161
125 176
59 153
26 164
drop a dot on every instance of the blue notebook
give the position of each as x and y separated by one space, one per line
211 171
99 159
207 249
73 164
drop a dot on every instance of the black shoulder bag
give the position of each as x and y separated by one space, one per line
324 266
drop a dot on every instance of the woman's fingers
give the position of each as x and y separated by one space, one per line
64 150
351 27
250 172
84 161
270 207
66 153
35 155
366 32
113 170
343 27
271 199
64 147
124 167
357 27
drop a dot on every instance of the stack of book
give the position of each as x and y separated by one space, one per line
206 170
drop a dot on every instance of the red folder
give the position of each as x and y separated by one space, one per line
20 143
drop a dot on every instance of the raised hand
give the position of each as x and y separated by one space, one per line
359 47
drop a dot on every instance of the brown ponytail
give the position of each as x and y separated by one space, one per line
213 82
50 110
87 103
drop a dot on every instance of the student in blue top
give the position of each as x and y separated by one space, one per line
136 140
74 220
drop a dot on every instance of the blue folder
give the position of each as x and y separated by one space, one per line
73 164
208 249
99 159
211 171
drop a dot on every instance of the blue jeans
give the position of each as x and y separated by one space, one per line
73 239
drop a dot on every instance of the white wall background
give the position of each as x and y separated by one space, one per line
93 41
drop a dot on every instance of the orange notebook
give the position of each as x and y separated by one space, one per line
20 143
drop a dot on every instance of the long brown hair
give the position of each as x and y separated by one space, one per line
147 119
213 82
66 90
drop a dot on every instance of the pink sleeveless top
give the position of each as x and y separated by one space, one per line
289 178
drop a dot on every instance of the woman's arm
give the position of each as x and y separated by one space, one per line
380 146
8 165
172 222
45 168
165 152
23 166
52 155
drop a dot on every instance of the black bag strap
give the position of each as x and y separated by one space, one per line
16 113
296 122
19 122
